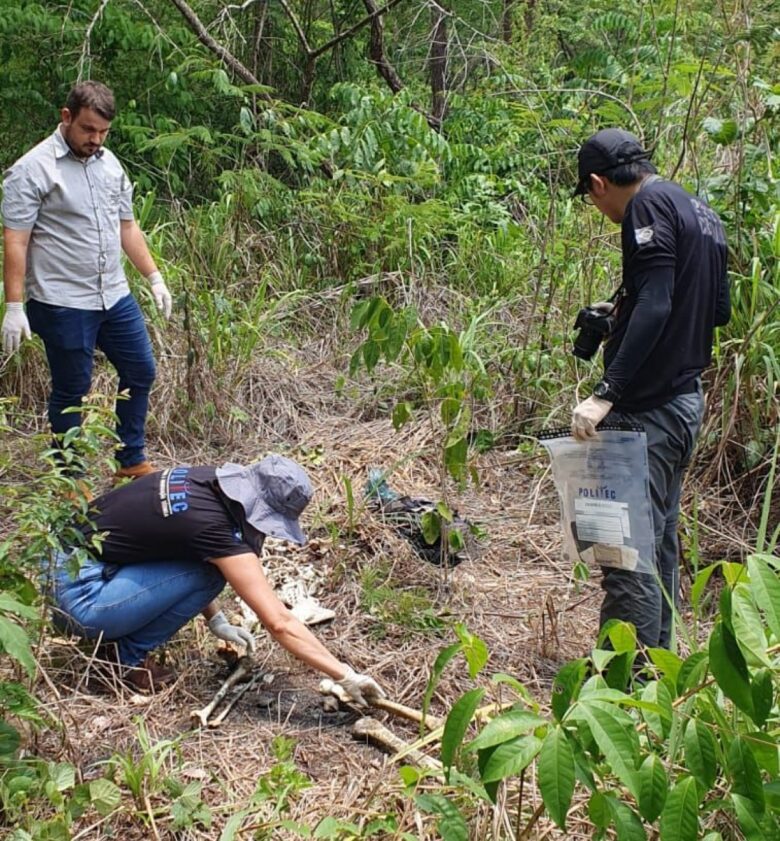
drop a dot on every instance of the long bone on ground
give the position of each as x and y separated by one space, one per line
373 730
432 722
242 669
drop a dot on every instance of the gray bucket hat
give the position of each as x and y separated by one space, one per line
273 493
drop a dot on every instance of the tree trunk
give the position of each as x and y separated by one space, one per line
438 64
530 8
506 21
376 49
261 43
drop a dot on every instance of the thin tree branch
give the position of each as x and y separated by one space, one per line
224 55
86 56
376 13
296 26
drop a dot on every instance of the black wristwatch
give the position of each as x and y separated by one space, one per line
605 391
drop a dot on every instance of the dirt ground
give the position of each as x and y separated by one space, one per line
514 593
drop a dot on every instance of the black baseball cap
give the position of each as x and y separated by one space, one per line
604 151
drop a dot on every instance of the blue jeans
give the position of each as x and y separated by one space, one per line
70 337
648 600
137 606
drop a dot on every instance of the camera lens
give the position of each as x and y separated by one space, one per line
593 325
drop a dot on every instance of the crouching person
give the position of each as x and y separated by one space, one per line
169 543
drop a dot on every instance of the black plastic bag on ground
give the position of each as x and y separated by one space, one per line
405 513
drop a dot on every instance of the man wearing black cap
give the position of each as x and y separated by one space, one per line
166 545
674 292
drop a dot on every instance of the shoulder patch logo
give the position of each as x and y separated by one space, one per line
644 235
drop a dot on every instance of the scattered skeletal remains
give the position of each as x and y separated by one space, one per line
376 732
243 671
329 687
364 728
295 584
369 728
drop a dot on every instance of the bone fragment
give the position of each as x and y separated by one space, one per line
242 669
330 687
218 719
309 611
330 703
432 722
369 728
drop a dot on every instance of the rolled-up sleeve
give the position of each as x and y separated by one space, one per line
21 199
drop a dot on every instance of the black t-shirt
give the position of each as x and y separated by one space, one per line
675 294
176 514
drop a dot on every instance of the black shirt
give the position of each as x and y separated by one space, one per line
675 293
175 514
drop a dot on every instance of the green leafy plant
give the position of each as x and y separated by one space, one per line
405 609
446 373
684 745
273 797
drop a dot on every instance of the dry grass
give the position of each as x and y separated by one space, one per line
516 595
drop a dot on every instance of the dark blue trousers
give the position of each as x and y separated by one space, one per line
70 337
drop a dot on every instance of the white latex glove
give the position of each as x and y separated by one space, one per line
220 627
586 415
360 688
15 327
162 297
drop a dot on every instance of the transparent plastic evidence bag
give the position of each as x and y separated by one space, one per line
604 488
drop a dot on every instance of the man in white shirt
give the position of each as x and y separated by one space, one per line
67 217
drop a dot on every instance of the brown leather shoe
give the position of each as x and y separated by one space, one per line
144 468
149 676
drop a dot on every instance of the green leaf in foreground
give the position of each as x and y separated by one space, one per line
506 726
474 650
745 773
511 758
457 723
680 817
765 586
105 796
627 823
556 775
699 744
653 786
729 669
616 741
16 644
598 810
439 665
750 819
763 694
451 825
566 686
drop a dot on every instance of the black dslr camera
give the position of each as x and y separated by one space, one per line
594 324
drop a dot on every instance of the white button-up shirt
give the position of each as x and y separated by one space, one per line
72 207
